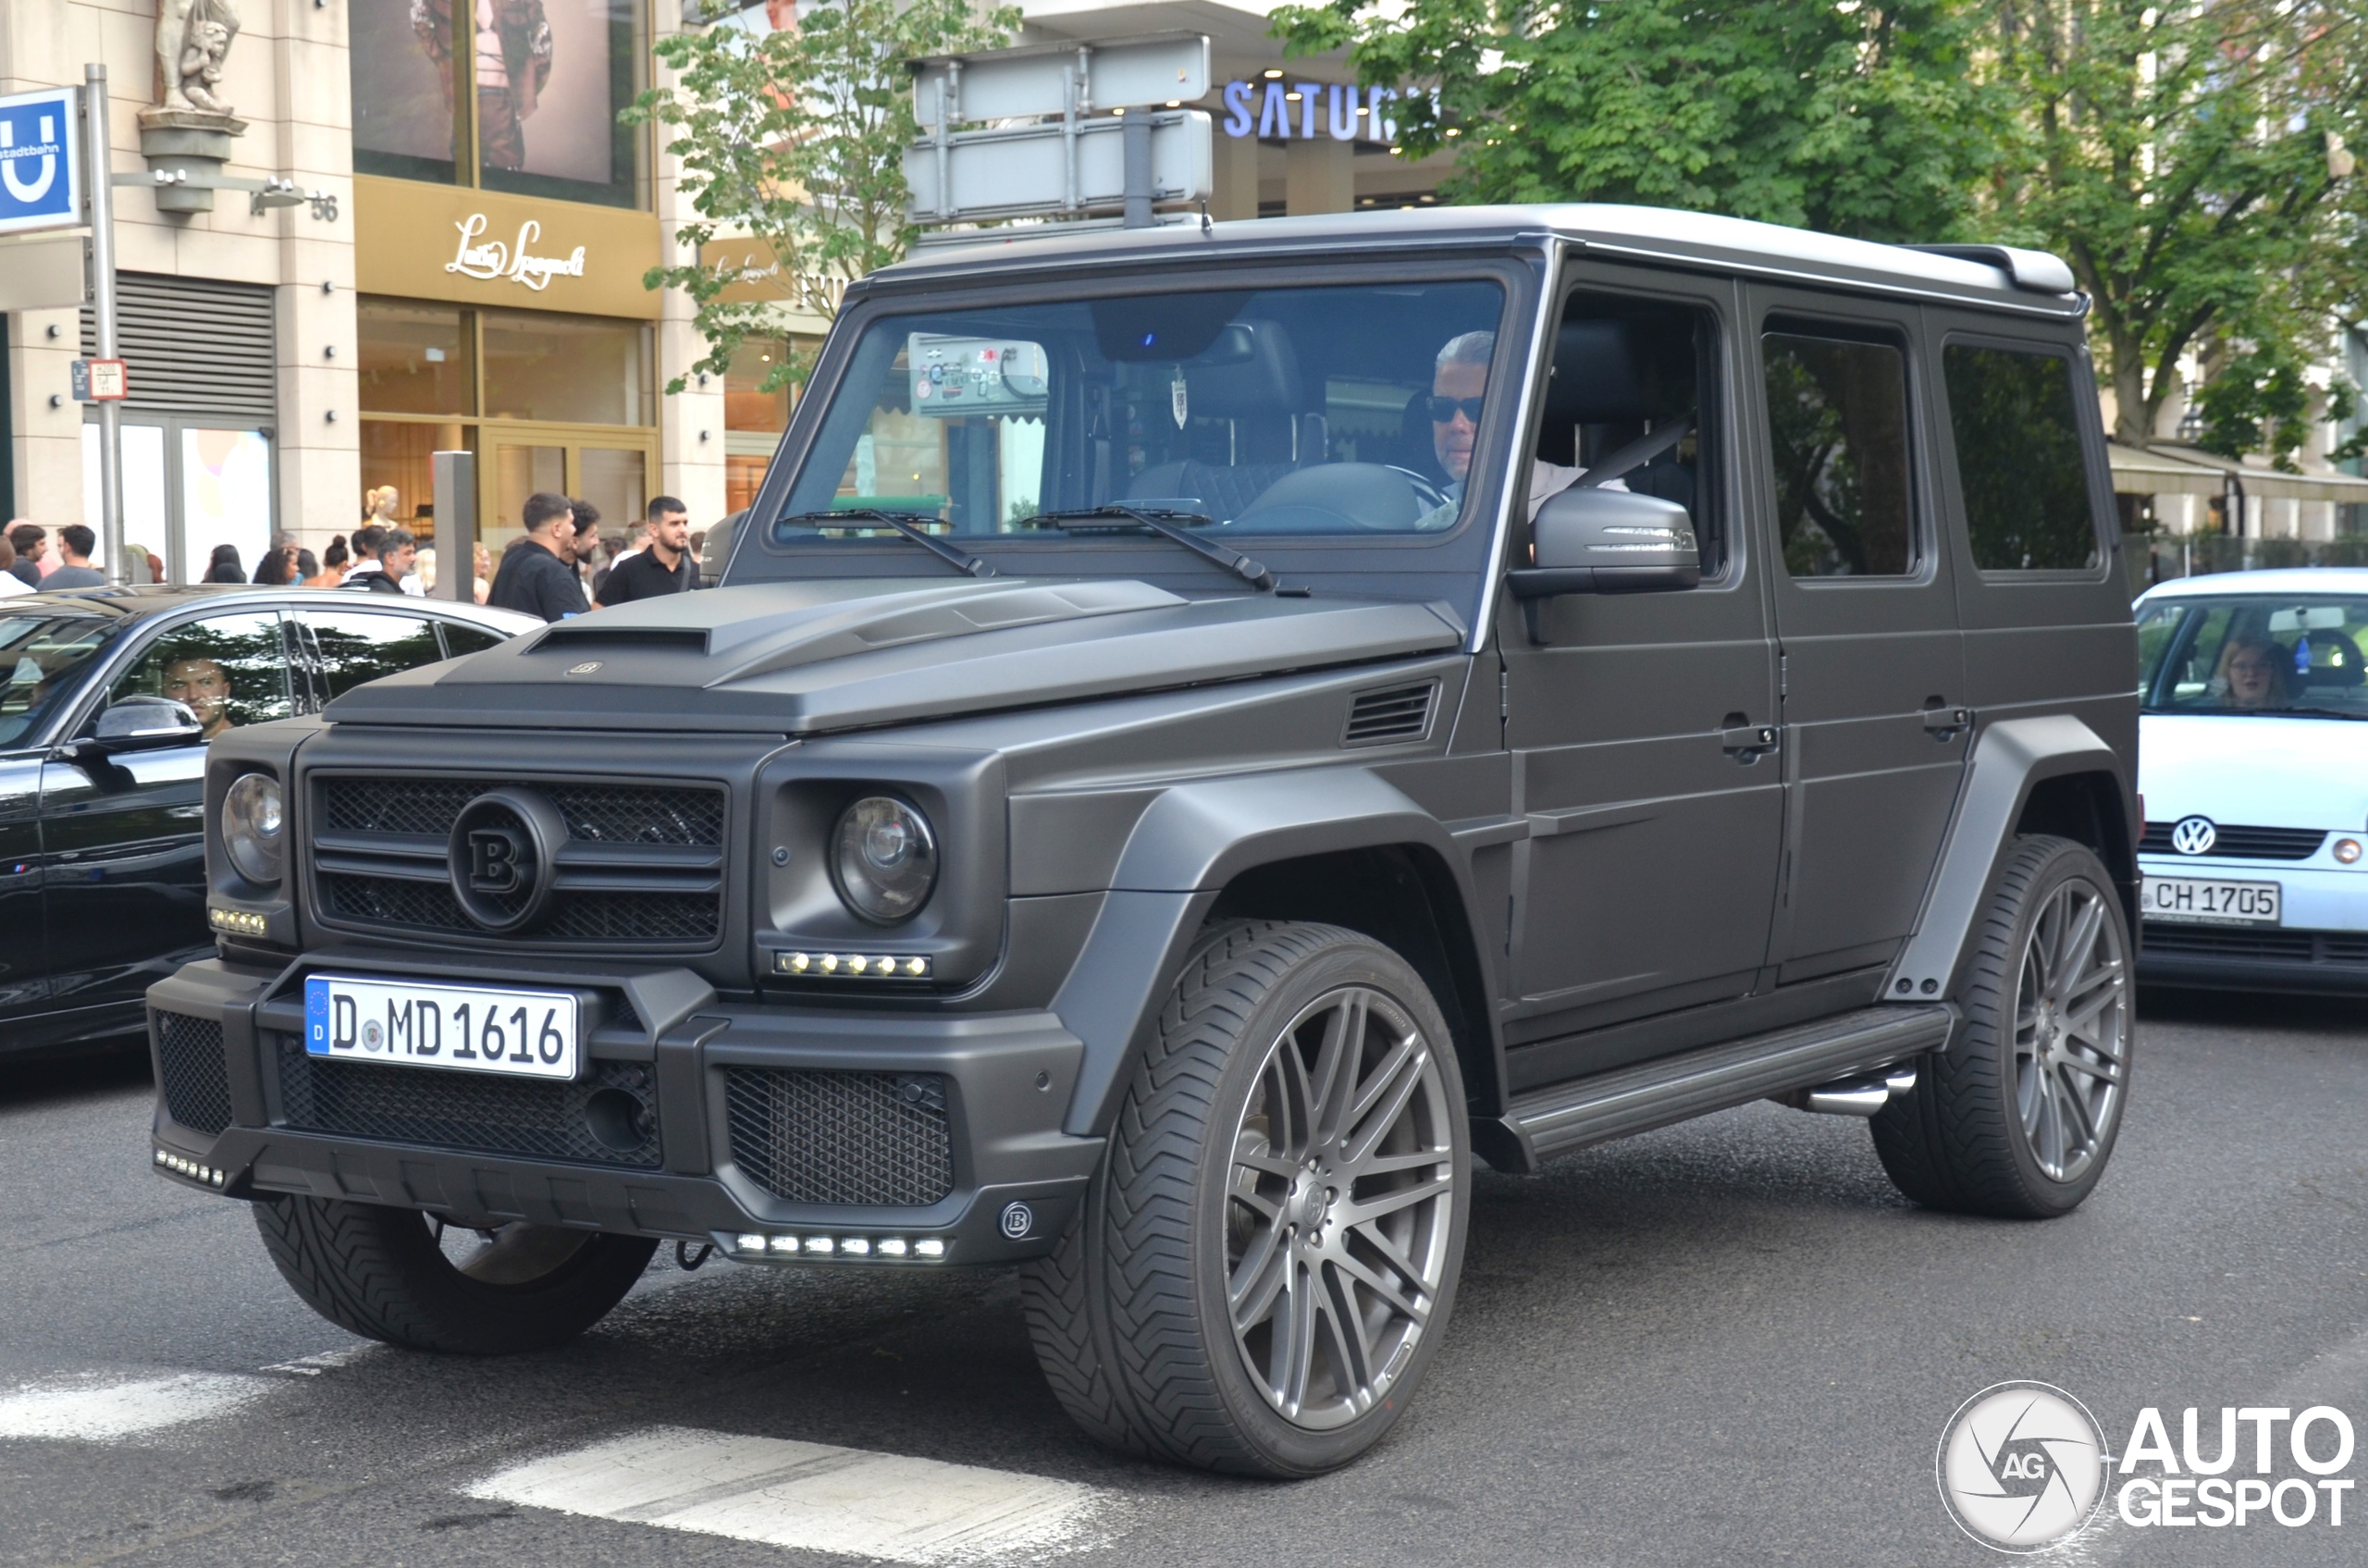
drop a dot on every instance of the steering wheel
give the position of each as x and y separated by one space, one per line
1430 495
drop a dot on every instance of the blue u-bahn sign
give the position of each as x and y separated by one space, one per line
41 171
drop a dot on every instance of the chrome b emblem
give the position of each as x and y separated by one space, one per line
2194 835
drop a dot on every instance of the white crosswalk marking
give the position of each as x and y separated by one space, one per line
104 1413
809 1496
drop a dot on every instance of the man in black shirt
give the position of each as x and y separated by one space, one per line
663 566
537 576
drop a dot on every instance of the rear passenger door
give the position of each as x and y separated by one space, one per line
1870 660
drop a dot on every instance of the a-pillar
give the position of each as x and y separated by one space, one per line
1319 176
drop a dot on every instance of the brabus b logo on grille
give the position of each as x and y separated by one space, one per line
493 860
2194 835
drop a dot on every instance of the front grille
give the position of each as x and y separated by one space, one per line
2237 842
197 1081
380 848
878 1139
610 1118
2285 946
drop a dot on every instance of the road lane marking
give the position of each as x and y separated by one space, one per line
325 1361
103 1412
808 1496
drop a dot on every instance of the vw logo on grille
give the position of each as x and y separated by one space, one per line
500 858
2194 835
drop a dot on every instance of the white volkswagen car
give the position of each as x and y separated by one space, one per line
2253 765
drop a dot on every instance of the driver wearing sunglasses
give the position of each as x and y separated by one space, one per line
1459 386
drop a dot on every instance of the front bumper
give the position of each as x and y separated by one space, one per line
788 1125
2322 944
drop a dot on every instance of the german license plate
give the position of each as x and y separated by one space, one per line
2193 901
522 1033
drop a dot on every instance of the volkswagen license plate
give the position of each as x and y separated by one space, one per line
2194 901
523 1033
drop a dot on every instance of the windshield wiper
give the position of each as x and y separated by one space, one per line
906 522
1163 521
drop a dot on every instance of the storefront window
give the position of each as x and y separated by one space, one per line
566 369
404 76
402 455
540 81
414 358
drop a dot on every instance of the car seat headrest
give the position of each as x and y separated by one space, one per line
1595 377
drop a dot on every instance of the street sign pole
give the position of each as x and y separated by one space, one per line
455 478
99 160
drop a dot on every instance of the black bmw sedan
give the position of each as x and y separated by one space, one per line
107 697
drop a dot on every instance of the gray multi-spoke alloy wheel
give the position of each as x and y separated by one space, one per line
1262 1272
2018 1117
396 1274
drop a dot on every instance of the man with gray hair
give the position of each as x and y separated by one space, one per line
1459 383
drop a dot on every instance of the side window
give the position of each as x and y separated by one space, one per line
230 670
1626 370
2018 460
357 647
460 638
1837 423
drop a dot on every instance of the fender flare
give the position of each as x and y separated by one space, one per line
1187 846
2009 760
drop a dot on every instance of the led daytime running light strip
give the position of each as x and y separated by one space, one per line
238 922
841 966
781 1249
190 1168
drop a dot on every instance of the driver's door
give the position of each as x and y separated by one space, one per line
124 832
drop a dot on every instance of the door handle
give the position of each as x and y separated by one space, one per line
1943 721
1747 743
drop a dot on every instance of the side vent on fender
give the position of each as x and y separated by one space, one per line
1376 718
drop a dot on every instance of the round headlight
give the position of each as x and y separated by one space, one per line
884 860
253 824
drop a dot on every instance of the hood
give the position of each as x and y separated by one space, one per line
803 658
2265 773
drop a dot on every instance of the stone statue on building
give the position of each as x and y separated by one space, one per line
192 39
509 46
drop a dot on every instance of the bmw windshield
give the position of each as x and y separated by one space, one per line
2297 656
1065 436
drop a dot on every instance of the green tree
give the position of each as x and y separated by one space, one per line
797 139
2188 160
1865 120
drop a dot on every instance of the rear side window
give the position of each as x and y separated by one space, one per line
1837 423
2018 460
459 639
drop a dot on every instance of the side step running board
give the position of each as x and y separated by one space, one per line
1638 1099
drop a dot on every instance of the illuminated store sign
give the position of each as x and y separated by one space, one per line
1309 109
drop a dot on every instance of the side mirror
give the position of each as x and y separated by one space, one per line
1598 541
136 723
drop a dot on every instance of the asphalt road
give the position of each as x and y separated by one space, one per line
1729 1342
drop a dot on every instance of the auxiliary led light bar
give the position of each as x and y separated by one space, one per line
844 965
237 923
190 1168
752 1248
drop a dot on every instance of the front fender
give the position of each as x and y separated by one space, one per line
1187 844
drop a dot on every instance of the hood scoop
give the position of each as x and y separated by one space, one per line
570 638
893 625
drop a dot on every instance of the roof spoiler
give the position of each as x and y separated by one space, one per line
2036 272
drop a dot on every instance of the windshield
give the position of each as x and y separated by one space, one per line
2298 654
45 657
1343 410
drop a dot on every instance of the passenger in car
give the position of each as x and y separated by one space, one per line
204 687
2252 672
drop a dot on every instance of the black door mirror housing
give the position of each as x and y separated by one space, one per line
141 723
1590 541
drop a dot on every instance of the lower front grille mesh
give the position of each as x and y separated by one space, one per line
610 1118
878 1138
196 1079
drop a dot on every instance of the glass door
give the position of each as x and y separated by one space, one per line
519 470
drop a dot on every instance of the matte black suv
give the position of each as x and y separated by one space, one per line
1204 732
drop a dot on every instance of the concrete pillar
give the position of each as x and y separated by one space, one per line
1236 196
1319 175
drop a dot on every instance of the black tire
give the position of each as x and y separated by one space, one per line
1132 1316
384 1274
1963 1139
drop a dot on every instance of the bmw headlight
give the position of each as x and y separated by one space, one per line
254 827
883 858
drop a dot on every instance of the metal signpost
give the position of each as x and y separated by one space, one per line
1068 158
102 317
455 478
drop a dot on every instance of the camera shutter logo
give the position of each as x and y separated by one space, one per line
2021 1466
2194 835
